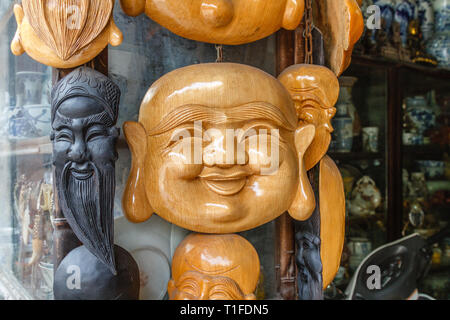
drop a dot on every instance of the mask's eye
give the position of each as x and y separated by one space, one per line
95 133
184 134
64 136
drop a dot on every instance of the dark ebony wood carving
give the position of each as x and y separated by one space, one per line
81 276
308 259
85 107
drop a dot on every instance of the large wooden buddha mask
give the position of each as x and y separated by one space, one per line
315 91
230 22
64 33
218 149
214 267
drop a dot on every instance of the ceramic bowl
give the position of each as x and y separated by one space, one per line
152 244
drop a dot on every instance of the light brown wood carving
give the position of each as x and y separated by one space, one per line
315 91
64 33
230 22
241 168
214 267
332 218
342 24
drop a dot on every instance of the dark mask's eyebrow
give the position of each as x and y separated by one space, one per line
251 111
102 118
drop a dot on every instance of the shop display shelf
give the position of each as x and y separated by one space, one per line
424 69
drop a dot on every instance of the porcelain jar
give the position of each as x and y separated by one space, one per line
420 114
425 13
405 11
343 122
439 44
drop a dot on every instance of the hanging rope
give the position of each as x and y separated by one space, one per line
219 49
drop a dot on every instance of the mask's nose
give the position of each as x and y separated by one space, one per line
217 13
219 154
78 153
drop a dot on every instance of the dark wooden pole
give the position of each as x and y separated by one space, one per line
285 253
64 239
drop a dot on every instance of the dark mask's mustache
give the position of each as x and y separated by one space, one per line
88 208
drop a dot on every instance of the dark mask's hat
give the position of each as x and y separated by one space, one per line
86 82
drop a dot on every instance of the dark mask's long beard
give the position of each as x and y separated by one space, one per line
88 207
309 288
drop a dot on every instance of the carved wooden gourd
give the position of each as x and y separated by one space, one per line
214 267
342 24
203 191
64 33
230 22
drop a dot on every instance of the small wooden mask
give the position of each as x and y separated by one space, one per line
315 91
230 22
214 267
64 33
218 149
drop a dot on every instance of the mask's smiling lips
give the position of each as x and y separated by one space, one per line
82 172
225 182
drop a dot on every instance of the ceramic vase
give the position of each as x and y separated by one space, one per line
405 11
387 10
359 249
425 13
370 139
343 122
30 88
439 44
420 114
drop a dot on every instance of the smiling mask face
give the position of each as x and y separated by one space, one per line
315 91
230 22
217 149
214 267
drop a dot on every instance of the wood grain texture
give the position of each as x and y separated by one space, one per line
315 91
192 177
342 24
285 245
214 267
66 35
230 22
332 218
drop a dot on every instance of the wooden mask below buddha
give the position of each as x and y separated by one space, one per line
230 22
315 91
214 267
218 149
64 33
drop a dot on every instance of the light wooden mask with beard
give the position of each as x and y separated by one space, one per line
64 33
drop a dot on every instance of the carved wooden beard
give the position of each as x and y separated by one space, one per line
88 204
67 26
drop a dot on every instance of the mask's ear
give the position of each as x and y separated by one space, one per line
304 202
115 35
293 14
134 202
133 8
16 45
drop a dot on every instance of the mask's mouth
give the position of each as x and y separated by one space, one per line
225 182
81 172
